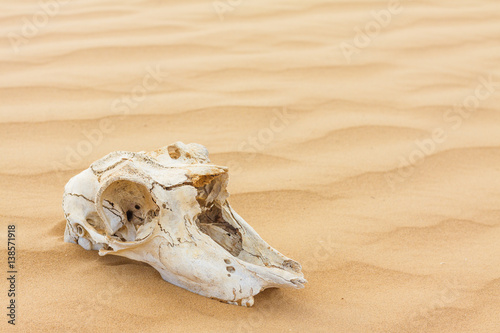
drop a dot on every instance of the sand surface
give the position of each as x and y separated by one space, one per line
363 140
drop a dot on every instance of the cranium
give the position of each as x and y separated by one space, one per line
169 208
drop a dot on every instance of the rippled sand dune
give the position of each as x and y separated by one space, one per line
363 139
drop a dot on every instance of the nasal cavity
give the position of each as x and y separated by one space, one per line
130 215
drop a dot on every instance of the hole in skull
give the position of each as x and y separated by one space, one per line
95 221
79 230
174 152
129 210
212 223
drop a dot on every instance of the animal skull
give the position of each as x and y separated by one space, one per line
169 208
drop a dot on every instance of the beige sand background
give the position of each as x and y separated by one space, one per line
350 148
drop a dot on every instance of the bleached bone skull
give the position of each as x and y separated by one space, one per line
169 208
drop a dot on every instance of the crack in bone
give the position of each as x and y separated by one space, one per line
80 195
169 188
99 173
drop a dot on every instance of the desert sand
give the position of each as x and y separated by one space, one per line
362 138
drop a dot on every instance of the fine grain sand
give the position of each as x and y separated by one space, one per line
352 154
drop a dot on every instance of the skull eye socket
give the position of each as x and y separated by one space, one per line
129 210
